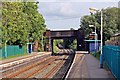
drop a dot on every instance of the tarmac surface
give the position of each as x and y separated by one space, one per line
87 66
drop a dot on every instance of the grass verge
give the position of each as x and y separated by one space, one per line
14 56
97 55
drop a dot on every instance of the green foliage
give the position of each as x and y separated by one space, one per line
97 55
73 45
55 43
19 19
111 23
67 43
85 22
70 43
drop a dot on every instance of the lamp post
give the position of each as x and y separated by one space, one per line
5 56
42 43
95 39
6 53
101 55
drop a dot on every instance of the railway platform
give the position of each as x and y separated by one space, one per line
87 66
23 57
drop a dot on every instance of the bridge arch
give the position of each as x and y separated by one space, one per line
62 34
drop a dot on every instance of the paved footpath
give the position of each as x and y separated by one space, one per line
87 66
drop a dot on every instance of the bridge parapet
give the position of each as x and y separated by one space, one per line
65 33
62 33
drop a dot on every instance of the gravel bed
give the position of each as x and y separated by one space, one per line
60 73
24 74
28 63
64 69
42 73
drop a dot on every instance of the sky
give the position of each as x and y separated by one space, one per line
66 14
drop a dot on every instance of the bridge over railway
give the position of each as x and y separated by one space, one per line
65 34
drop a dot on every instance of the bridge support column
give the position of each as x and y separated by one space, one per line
80 40
52 46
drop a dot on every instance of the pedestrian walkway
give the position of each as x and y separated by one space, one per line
87 66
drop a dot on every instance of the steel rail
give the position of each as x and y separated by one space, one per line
27 68
54 69
40 68
16 66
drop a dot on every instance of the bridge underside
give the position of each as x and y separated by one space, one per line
68 34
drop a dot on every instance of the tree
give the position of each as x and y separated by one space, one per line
110 22
13 22
85 22
70 43
73 45
19 19
36 21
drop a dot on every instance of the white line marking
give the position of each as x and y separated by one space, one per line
70 68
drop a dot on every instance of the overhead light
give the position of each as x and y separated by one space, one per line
91 25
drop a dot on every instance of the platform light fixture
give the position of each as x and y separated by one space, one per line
101 55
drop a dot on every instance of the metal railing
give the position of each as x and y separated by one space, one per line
112 59
12 50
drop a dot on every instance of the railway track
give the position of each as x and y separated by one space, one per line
19 61
37 67
22 64
27 69
28 66
14 68
24 57
41 68
63 72
52 72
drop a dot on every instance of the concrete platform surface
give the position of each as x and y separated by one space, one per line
87 66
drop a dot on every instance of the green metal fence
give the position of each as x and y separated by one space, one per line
112 59
12 50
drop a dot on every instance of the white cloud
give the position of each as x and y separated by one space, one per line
57 9
67 9
53 11
70 9
78 0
